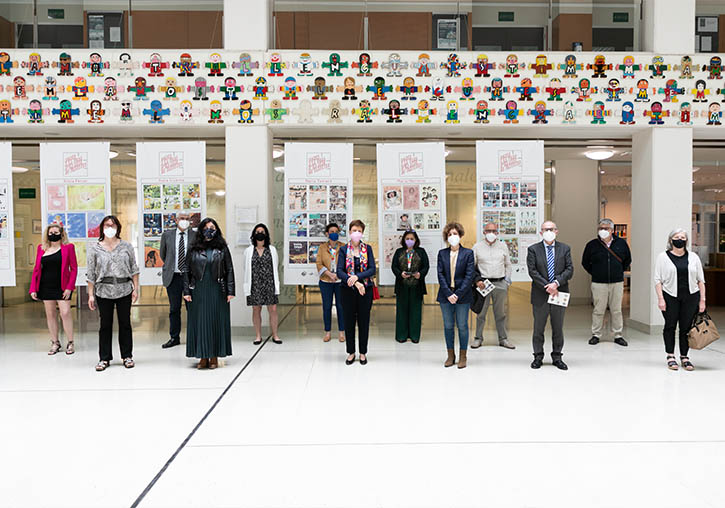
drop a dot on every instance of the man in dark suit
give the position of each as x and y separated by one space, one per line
175 244
550 268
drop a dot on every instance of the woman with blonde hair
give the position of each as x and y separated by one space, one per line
53 281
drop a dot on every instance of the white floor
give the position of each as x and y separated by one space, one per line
299 428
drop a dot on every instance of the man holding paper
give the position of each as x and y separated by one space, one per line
493 263
550 268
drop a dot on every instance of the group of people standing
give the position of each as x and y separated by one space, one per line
199 272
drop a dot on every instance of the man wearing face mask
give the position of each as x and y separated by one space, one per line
606 258
550 268
493 263
174 247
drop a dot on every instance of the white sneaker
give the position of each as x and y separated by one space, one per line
477 343
505 343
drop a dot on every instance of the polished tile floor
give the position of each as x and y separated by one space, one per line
293 426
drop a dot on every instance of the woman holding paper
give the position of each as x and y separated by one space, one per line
410 266
330 285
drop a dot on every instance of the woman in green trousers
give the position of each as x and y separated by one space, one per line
410 266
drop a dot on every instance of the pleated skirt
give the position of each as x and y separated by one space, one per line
208 327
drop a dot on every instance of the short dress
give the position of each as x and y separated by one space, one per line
50 268
262 291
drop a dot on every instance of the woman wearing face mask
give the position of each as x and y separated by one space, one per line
208 287
680 287
112 275
329 281
456 269
356 269
53 281
410 266
261 281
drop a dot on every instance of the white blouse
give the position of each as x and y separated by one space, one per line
666 273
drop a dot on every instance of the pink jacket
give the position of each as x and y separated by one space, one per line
68 271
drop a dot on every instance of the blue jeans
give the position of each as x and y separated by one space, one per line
455 316
328 290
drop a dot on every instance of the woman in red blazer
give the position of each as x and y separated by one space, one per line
54 278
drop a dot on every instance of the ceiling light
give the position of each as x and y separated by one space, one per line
112 154
131 154
356 158
713 190
695 169
447 152
601 171
277 152
19 169
279 169
220 192
599 154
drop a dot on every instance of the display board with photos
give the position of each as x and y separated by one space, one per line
510 193
411 196
75 181
171 178
7 240
318 191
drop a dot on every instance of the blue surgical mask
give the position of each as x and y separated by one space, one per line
334 236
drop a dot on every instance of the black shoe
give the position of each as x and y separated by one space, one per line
621 341
276 341
349 362
171 343
594 340
536 364
560 364
365 361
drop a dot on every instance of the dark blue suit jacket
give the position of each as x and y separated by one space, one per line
465 272
365 277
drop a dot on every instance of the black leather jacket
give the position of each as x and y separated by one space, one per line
221 266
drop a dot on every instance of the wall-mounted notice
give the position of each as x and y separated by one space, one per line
510 193
76 192
170 178
7 247
411 195
318 190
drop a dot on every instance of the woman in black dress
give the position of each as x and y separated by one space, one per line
261 281
208 287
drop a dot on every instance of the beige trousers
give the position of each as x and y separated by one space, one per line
607 295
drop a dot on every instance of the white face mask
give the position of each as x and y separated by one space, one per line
549 236
603 234
184 224
454 240
109 232
491 237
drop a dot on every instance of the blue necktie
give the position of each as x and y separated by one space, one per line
550 261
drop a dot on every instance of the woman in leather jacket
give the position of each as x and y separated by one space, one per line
208 287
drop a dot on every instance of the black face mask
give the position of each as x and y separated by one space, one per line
260 237
679 243
54 237
209 234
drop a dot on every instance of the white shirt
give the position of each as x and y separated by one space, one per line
186 247
666 273
493 261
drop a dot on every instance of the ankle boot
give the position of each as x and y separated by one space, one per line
213 363
451 358
203 363
463 359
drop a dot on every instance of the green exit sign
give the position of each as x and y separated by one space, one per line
620 17
26 193
505 16
56 13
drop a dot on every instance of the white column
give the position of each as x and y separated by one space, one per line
248 183
668 26
576 213
247 24
661 202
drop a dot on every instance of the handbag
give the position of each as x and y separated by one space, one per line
376 293
703 331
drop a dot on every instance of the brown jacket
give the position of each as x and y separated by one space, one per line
324 259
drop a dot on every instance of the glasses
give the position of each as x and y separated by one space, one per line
490 230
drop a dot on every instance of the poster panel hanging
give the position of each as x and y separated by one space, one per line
318 179
76 192
411 195
7 236
510 193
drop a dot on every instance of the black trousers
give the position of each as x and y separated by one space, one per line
175 292
356 310
679 311
105 333
543 312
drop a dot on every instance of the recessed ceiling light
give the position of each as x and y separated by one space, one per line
279 169
695 169
131 154
356 158
599 154
19 169
112 154
713 190
220 192
277 152
601 171
447 152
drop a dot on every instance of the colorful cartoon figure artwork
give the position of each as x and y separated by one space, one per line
714 68
656 114
671 91
453 66
598 112
245 64
65 65
540 113
35 112
185 65
305 65
171 89
721 91
451 112
685 114
437 89
526 90
215 65
110 89
260 88
365 112
467 89
335 112
156 66
408 88
394 111
275 65
35 65
628 67
127 112
95 112
19 88
482 66
555 90
50 89
599 67
7 111
140 89
394 66
364 65
511 113
700 92
642 91
570 67
423 65
349 89
320 88
541 67
305 112
230 89
156 112
81 89
614 90
497 89
685 67
627 114
215 112
379 88
334 65
246 112
423 112
482 112
6 64
290 89
714 114
658 67
200 89
65 112
186 111
512 66
125 65
568 113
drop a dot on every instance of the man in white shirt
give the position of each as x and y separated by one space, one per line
493 263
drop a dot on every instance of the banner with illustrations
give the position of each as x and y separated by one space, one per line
170 178
7 236
510 193
411 195
76 192
318 190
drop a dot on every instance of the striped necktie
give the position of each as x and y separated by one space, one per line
550 261
182 253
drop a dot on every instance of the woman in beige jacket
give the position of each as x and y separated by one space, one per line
329 281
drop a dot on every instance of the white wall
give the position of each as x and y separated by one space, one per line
668 26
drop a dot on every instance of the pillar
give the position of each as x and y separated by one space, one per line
668 27
248 184
572 23
661 202
248 24
576 213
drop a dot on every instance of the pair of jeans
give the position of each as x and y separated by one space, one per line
455 315
679 310
105 332
357 312
175 292
328 290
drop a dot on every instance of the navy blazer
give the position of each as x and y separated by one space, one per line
538 269
367 274
465 271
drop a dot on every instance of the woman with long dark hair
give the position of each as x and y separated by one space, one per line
261 281
208 287
410 265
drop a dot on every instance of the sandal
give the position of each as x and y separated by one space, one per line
686 363
128 363
102 365
671 363
69 348
54 348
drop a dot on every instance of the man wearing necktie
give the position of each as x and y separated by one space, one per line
550 268
174 246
